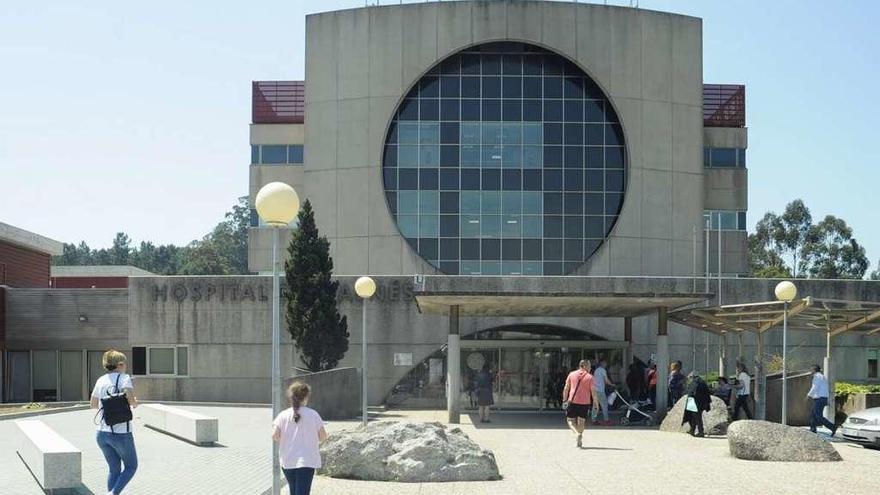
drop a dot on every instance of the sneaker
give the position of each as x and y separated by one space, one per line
833 430
580 442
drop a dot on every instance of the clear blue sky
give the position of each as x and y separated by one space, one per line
134 117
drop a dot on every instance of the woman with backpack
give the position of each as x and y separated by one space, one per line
299 431
113 397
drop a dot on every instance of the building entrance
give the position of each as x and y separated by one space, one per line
529 375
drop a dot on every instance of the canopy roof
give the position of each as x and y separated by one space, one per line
833 316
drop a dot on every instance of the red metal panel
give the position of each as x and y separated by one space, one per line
724 105
89 282
278 102
24 267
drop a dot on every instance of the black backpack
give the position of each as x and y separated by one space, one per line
115 408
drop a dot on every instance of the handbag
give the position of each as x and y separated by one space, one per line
691 405
115 408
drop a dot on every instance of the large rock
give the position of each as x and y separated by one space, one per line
765 441
409 452
714 422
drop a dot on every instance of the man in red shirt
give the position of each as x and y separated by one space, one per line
578 394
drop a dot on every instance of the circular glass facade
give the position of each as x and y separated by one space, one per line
505 159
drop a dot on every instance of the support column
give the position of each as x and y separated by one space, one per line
662 362
628 350
453 367
760 382
722 356
740 357
829 375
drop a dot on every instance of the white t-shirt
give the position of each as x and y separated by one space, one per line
745 381
298 446
105 384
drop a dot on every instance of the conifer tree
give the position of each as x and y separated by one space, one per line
319 333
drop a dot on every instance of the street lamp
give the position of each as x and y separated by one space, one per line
365 287
277 204
785 292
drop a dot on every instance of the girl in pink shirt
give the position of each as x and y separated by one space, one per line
299 432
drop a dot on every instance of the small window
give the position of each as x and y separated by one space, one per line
295 153
161 361
255 153
873 355
274 154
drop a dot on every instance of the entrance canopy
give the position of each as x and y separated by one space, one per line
833 316
555 296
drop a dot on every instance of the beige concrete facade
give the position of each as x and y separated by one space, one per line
648 63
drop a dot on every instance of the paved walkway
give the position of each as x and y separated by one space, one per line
536 455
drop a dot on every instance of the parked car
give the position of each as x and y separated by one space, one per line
863 427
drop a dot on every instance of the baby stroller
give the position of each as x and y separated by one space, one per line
634 414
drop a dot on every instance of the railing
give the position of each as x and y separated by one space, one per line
724 105
278 102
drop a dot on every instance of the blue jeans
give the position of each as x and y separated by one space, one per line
299 480
816 416
118 448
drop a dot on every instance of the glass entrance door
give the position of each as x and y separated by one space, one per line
72 375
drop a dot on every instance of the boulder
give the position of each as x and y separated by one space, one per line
765 441
407 452
714 422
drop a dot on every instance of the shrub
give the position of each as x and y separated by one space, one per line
843 390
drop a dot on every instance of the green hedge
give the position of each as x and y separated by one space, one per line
843 390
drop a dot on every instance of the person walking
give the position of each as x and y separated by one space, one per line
742 387
600 382
675 383
819 394
698 400
652 385
485 400
299 431
577 396
113 397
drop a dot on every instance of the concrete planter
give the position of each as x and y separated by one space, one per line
859 402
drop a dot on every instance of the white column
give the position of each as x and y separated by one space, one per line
722 356
760 383
662 362
453 367
829 375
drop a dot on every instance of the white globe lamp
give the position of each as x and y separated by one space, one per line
365 287
785 291
277 204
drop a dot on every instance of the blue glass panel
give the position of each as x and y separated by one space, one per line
450 87
490 226
409 225
511 226
532 87
295 153
408 202
429 202
274 154
429 226
429 133
532 157
490 156
533 180
491 202
408 156
469 226
255 153
552 87
449 226
429 155
470 155
512 133
470 87
470 202
532 226
512 202
511 156
511 87
408 132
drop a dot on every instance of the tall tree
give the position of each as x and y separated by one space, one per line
120 250
830 251
319 333
827 249
875 275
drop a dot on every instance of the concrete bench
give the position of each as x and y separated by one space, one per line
54 462
192 427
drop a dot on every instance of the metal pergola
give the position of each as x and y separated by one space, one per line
829 316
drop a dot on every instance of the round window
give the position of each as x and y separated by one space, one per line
505 159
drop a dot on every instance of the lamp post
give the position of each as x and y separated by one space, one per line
365 287
785 292
277 204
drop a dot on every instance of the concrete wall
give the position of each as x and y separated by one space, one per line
335 394
648 63
49 319
225 321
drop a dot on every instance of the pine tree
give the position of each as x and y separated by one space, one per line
319 333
